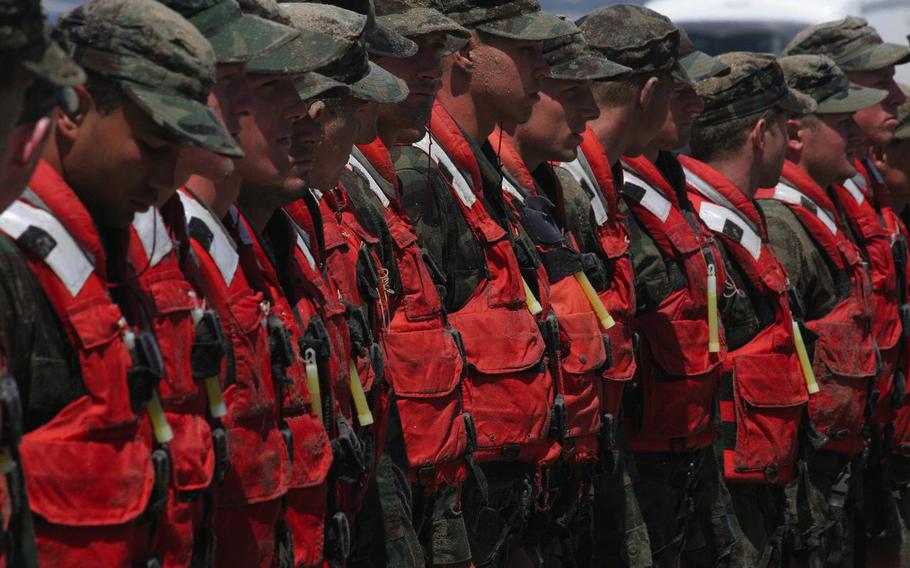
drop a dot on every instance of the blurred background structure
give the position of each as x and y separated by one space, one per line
718 26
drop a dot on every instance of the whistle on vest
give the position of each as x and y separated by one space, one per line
713 330
364 416
804 362
207 353
603 316
146 372
530 301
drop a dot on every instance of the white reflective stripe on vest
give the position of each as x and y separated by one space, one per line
789 194
153 235
222 249
510 188
67 259
652 200
374 185
716 217
852 188
581 176
461 185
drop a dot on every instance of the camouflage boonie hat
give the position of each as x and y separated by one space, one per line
521 19
412 18
698 64
636 37
570 59
820 78
852 43
314 47
380 39
25 36
236 37
315 85
352 67
158 59
902 131
754 85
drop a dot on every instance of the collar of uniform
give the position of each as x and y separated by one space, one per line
799 178
724 186
57 196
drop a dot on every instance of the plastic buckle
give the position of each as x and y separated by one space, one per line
558 419
511 452
161 464
317 339
222 459
212 343
288 439
12 409
279 342
338 537
470 428
349 464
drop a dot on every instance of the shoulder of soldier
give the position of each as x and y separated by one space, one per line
788 237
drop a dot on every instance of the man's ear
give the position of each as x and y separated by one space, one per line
648 92
794 140
758 136
464 57
67 122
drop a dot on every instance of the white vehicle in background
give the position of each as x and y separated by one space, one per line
718 26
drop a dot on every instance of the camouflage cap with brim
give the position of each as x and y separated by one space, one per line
637 37
386 42
754 84
902 130
820 78
236 37
851 42
25 37
159 60
698 64
570 59
312 85
380 86
521 19
316 46
412 18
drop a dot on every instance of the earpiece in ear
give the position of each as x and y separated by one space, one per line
68 101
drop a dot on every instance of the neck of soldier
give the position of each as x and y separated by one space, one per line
217 196
612 129
529 156
740 168
256 206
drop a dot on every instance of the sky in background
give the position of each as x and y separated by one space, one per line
571 8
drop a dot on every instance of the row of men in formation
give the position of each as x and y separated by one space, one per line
456 283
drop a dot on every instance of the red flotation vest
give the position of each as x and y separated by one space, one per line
677 371
845 357
762 390
583 347
508 386
422 359
90 465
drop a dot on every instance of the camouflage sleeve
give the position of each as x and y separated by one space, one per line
419 199
801 260
38 355
654 278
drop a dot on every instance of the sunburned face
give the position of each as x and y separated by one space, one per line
265 134
557 121
120 164
405 122
684 105
506 76
829 147
341 128
877 122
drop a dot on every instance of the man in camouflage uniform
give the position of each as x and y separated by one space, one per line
36 72
433 510
828 492
493 78
868 61
893 159
107 130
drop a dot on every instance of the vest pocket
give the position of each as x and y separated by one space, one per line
770 394
425 368
175 333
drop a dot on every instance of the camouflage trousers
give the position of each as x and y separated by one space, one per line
824 501
761 511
